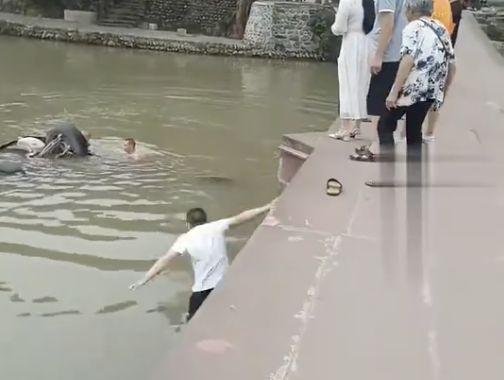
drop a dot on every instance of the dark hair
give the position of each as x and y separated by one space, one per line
369 15
131 141
196 217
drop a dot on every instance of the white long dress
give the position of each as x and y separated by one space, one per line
353 62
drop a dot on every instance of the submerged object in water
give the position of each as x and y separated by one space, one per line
9 167
215 179
65 140
62 141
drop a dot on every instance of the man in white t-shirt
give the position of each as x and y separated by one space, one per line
205 243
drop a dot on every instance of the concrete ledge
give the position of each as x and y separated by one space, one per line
378 283
294 151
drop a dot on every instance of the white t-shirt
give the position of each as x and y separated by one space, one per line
398 7
206 244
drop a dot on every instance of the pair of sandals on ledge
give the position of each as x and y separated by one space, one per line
335 187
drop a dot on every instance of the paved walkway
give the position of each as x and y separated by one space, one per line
131 32
383 284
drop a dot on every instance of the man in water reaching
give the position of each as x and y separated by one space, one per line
205 244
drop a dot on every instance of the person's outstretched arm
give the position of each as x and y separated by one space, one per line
248 215
159 266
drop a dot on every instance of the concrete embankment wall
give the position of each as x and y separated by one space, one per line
115 37
290 36
388 283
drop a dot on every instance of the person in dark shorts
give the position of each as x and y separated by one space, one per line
457 7
425 73
379 88
205 244
387 36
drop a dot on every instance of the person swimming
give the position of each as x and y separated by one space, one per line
129 147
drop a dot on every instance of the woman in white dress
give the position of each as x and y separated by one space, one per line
354 20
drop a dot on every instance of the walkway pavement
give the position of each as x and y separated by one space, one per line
399 283
132 32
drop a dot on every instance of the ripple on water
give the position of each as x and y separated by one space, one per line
114 308
59 313
47 299
92 210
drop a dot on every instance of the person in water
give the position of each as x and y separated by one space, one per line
129 147
205 244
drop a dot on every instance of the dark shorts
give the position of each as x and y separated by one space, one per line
196 300
380 87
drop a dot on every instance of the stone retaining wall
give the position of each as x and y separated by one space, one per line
291 28
13 6
47 8
192 45
209 17
121 40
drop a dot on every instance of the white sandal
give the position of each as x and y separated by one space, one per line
342 135
355 132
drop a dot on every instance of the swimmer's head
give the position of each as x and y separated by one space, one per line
196 217
129 145
87 135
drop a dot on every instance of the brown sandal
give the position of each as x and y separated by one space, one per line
334 187
366 157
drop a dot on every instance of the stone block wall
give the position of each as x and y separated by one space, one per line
259 30
46 8
210 17
12 6
288 28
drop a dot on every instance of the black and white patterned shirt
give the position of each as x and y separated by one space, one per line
427 79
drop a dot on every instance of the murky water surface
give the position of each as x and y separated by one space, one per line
75 233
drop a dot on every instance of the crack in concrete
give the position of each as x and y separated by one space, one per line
271 221
307 312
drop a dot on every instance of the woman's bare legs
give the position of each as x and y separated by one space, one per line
356 128
344 132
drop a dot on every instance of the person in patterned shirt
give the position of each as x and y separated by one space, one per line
425 73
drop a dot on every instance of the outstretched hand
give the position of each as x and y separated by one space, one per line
274 202
136 285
